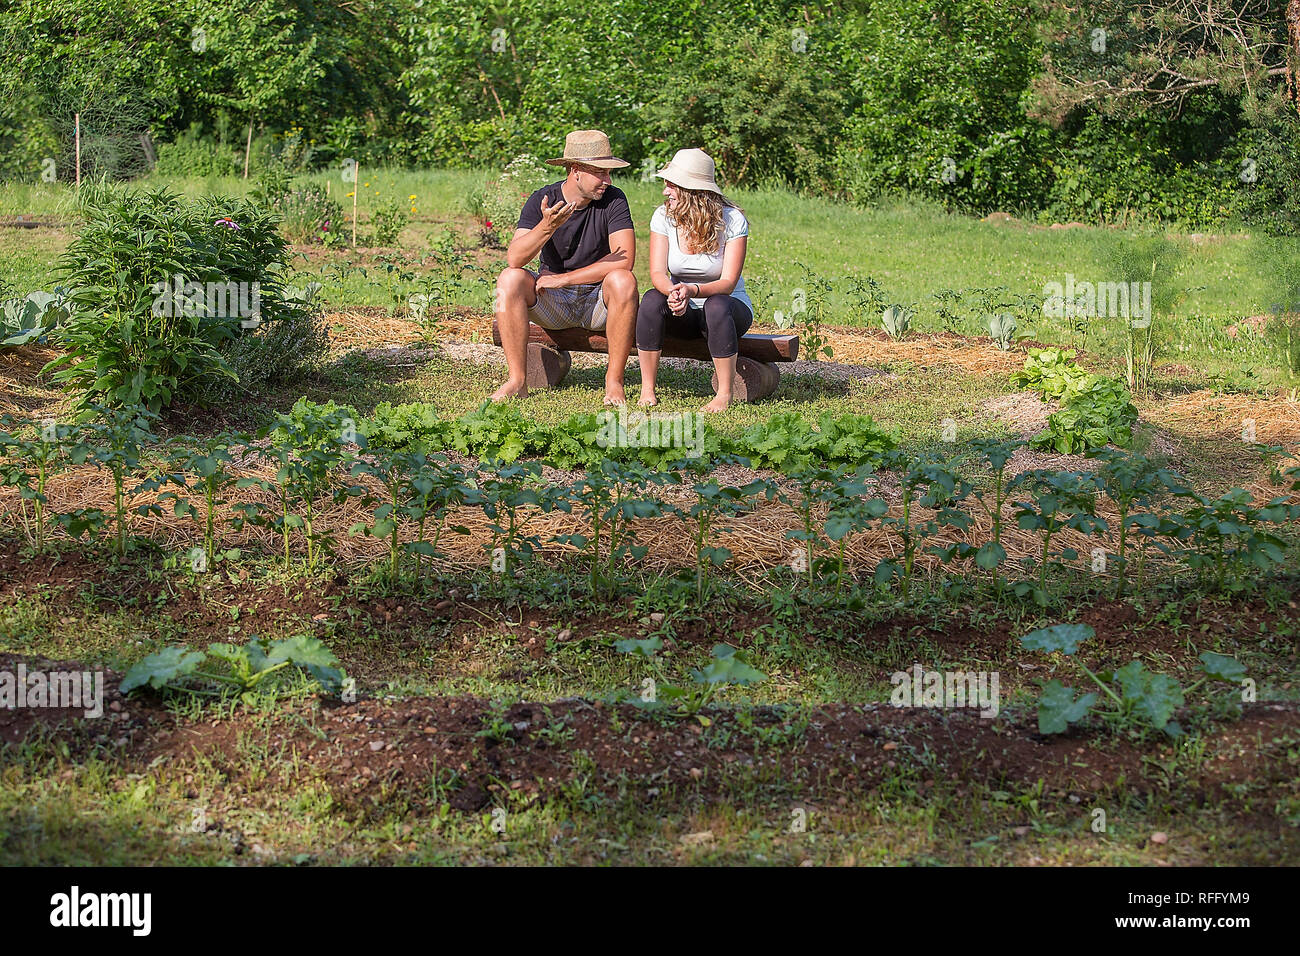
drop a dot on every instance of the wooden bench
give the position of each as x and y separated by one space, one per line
757 374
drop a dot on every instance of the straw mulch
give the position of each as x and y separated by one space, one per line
23 390
369 327
756 539
1207 414
979 358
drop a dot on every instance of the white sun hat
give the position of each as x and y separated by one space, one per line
691 169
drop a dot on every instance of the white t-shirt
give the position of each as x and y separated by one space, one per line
701 267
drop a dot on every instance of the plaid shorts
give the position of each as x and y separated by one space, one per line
573 307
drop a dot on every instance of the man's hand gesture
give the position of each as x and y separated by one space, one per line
556 216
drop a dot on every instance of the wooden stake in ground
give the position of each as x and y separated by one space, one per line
356 188
76 136
248 147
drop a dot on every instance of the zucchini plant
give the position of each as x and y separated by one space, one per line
231 669
1132 693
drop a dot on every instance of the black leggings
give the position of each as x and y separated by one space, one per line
723 320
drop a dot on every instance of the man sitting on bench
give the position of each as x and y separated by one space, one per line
582 228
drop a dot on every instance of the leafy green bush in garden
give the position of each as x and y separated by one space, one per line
274 354
387 222
27 320
1050 372
150 317
1098 412
192 155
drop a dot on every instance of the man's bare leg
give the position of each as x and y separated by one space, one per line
514 297
619 291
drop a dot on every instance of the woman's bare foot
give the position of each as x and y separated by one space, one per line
510 390
647 399
719 404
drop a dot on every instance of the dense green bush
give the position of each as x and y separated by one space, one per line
192 155
850 100
939 85
132 339
1272 197
1111 170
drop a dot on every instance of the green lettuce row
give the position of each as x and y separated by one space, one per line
786 442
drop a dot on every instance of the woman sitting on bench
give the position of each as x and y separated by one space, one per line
697 251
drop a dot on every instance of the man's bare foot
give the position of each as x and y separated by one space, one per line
647 399
719 404
510 390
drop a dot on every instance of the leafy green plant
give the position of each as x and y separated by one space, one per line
27 320
897 321
1003 329
116 443
207 470
308 213
867 298
1051 372
497 431
996 453
416 488
611 497
387 221
1227 537
1097 411
727 666
713 503
812 342
414 427
306 451
840 494
849 512
1133 692
149 316
1131 481
231 669
507 492
789 442
1062 499
930 483
28 460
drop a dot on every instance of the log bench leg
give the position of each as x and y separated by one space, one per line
753 380
546 366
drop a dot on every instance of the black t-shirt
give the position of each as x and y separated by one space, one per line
584 239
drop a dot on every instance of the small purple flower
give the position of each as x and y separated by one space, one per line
228 223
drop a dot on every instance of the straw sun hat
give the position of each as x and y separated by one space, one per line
590 147
691 169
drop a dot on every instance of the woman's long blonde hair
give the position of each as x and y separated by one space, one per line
699 219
